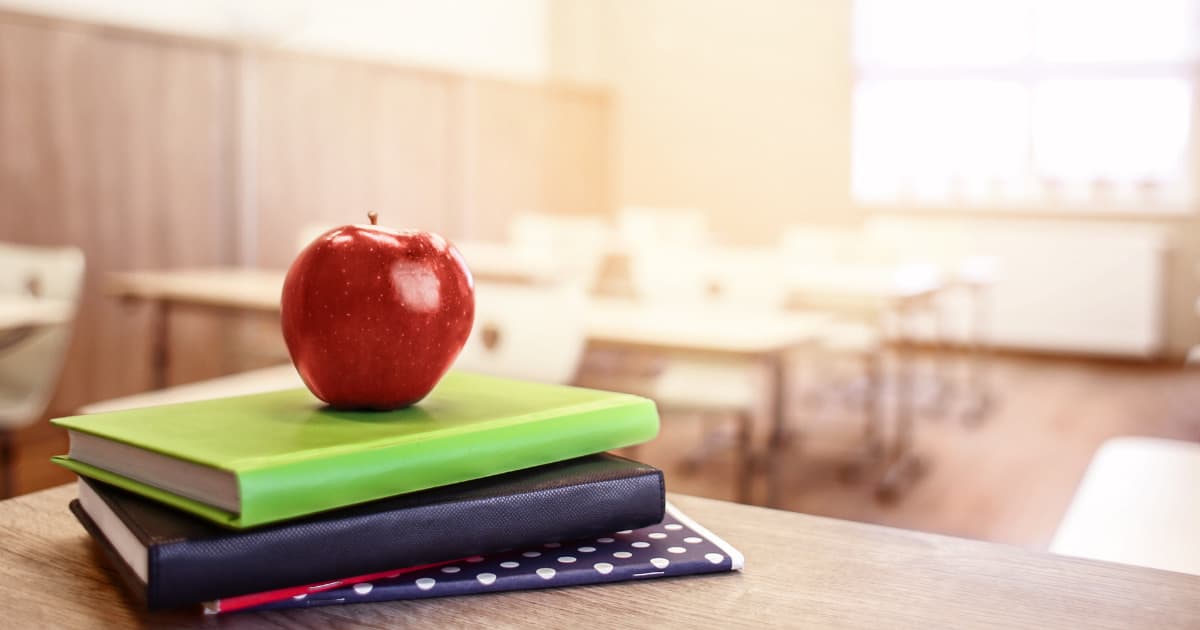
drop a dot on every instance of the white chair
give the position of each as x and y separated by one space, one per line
666 251
643 228
1138 503
576 245
31 358
681 272
535 332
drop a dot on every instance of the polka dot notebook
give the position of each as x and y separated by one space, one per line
677 546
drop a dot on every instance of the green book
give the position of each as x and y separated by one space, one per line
252 460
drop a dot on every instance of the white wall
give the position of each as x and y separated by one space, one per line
739 109
743 109
505 38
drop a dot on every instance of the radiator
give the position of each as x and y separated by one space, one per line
1061 286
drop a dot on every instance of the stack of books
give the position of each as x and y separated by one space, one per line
275 501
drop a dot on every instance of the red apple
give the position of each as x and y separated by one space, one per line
373 317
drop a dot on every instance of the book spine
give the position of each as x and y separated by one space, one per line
320 550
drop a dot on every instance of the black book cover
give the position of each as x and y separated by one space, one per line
191 560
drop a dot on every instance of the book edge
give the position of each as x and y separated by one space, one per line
736 559
261 487
614 401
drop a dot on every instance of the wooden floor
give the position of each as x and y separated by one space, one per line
1008 479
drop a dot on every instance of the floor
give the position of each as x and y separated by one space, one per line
1008 479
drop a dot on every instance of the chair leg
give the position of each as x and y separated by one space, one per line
716 440
7 465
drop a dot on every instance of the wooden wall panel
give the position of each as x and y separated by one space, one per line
577 177
503 138
152 151
117 145
335 139
531 148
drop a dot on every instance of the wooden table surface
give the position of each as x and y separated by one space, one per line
800 571
615 320
221 287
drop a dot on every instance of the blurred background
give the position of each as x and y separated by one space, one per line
909 262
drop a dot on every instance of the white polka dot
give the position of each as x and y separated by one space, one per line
510 564
532 554
566 559
546 573
676 549
475 559
660 563
641 544
586 549
673 527
552 545
451 569
486 579
658 535
603 567
625 531
300 596
693 540
426 583
362 588
604 540
622 554
714 558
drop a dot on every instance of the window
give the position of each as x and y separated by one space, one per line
1026 102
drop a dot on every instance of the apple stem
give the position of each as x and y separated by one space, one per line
374 217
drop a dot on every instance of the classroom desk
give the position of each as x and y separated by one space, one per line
754 337
610 321
801 571
219 289
765 338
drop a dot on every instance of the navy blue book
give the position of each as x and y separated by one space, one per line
677 546
170 558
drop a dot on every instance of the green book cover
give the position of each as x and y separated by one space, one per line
292 456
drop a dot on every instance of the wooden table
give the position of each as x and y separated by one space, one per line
220 289
755 337
801 571
764 338
610 321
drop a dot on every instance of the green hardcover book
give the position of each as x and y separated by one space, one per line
252 460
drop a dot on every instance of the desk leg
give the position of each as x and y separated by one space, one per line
979 396
904 467
777 412
161 350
